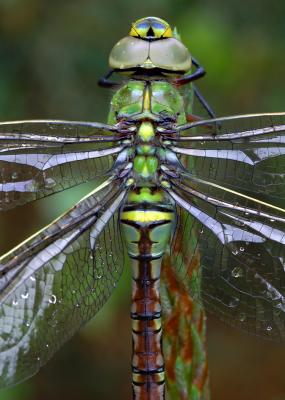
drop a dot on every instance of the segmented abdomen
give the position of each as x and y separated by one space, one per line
147 229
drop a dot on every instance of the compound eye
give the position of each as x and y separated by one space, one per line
142 26
151 28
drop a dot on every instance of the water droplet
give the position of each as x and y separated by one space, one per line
50 183
14 175
98 276
273 295
280 306
52 299
47 345
241 248
27 324
53 321
91 257
237 272
269 328
235 252
201 231
32 278
272 220
233 302
242 317
38 358
25 296
15 302
240 223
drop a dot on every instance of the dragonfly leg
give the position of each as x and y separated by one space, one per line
105 82
203 102
193 118
196 118
199 73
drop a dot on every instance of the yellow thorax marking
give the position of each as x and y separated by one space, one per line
147 99
146 131
147 216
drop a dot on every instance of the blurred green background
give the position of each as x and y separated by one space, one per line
51 55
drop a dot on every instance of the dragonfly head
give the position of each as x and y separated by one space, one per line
152 46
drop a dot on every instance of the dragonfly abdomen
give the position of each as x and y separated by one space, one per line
147 229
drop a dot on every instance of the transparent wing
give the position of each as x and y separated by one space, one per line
38 158
57 280
243 153
232 256
229 246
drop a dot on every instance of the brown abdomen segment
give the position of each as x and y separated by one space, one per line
147 232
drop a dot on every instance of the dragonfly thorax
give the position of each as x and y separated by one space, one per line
151 101
149 105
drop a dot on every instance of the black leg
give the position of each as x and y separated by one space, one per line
105 82
199 73
203 102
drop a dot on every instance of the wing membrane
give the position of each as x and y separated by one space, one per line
38 158
232 256
244 153
56 281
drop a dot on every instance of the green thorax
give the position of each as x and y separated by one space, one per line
147 103
147 100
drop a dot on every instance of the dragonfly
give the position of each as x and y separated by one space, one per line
163 178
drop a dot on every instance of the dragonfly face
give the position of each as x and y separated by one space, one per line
207 195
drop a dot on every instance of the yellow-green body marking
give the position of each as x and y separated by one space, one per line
148 216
